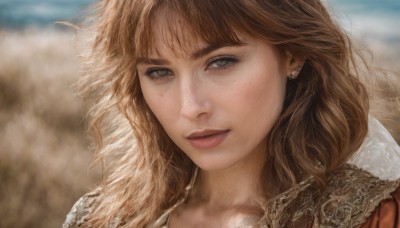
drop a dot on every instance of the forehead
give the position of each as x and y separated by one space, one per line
174 34
173 31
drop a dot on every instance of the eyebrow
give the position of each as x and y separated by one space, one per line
210 48
150 61
196 55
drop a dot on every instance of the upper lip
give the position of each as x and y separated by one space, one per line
204 133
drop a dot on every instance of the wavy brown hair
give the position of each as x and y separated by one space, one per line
323 122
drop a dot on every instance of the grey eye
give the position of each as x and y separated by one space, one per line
158 73
222 62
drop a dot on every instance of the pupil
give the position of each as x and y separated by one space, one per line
162 72
222 62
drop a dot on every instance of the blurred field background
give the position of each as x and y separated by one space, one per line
44 155
44 147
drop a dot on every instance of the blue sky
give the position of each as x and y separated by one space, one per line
375 19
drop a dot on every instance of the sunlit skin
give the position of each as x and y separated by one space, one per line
227 98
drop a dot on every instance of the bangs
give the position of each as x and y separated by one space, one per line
179 24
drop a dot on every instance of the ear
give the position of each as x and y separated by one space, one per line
293 66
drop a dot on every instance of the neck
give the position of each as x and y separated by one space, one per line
235 186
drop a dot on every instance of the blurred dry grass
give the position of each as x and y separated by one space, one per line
44 155
383 83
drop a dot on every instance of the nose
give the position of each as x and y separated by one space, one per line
195 104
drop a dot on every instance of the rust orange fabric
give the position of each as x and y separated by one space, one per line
387 214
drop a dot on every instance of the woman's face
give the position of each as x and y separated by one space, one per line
217 103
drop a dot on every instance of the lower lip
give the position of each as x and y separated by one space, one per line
208 142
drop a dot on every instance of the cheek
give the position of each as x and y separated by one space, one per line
156 102
258 102
262 92
164 107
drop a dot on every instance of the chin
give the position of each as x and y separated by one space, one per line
213 164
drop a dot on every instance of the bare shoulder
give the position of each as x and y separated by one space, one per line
81 209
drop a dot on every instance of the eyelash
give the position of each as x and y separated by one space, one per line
149 72
229 59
